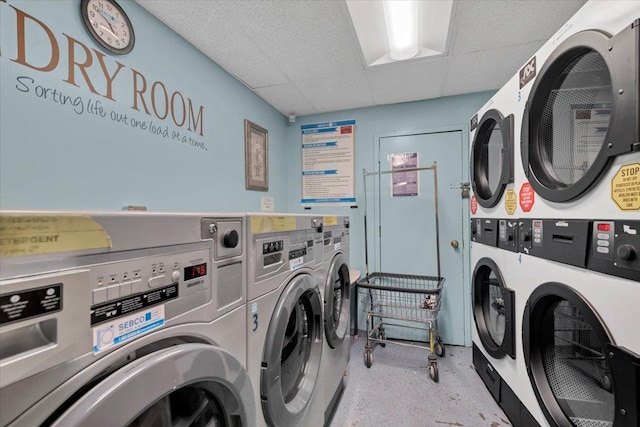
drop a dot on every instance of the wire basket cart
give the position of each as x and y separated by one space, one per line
402 300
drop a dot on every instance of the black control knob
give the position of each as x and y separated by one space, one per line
230 239
510 235
525 236
626 252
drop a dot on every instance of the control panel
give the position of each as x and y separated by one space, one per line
607 246
284 252
508 234
485 231
115 280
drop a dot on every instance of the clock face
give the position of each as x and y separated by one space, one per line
108 24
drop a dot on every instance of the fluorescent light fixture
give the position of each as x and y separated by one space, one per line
384 28
401 17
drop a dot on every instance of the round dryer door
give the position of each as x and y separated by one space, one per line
185 385
581 113
336 301
492 158
579 377
493 305
291 358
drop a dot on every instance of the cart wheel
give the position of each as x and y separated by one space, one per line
433 372
368 358
383 337
439 348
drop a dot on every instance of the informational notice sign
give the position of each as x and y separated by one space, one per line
328 163
404 184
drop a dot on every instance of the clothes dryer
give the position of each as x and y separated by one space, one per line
581 346
580 134
335 291
497 354
123 319
284 318
497 346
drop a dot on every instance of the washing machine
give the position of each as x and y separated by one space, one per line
123 319
285 331
335 290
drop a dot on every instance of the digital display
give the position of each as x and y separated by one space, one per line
195 271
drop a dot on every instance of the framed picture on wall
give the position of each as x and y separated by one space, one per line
256 157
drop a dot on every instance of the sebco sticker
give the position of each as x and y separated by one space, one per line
296 263
118 331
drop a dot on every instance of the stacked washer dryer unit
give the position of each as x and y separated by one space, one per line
284 318
497 353
335 289
580 232
123 319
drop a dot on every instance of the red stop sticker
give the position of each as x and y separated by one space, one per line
527 197
474 205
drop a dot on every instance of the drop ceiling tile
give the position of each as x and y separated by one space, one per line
407 82
287 99
308 39
335 93
486 70
498 23
207 26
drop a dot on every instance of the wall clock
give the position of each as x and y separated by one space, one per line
108 24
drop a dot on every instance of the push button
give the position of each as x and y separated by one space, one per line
158 281
113 292
137 286
602 250
99 295
125 289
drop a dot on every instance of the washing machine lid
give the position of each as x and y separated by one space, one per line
493 309
292 352
336 301
181 385
582 112
492 157
580 377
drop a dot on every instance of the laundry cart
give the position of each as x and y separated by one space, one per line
402 300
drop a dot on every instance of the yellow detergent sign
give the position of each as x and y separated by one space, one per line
45 234
328 221
269 223
511 201
625 187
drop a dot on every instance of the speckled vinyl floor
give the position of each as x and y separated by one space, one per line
397 391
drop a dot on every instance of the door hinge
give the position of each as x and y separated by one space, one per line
463 187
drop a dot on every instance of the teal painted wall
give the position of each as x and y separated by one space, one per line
56 154
433 115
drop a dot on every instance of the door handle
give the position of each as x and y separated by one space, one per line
455 244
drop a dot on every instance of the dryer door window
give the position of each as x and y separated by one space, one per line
183 385
493 309
336 302
492 158
291 358
581 113
569 356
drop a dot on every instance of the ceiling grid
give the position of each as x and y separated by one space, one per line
303 57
